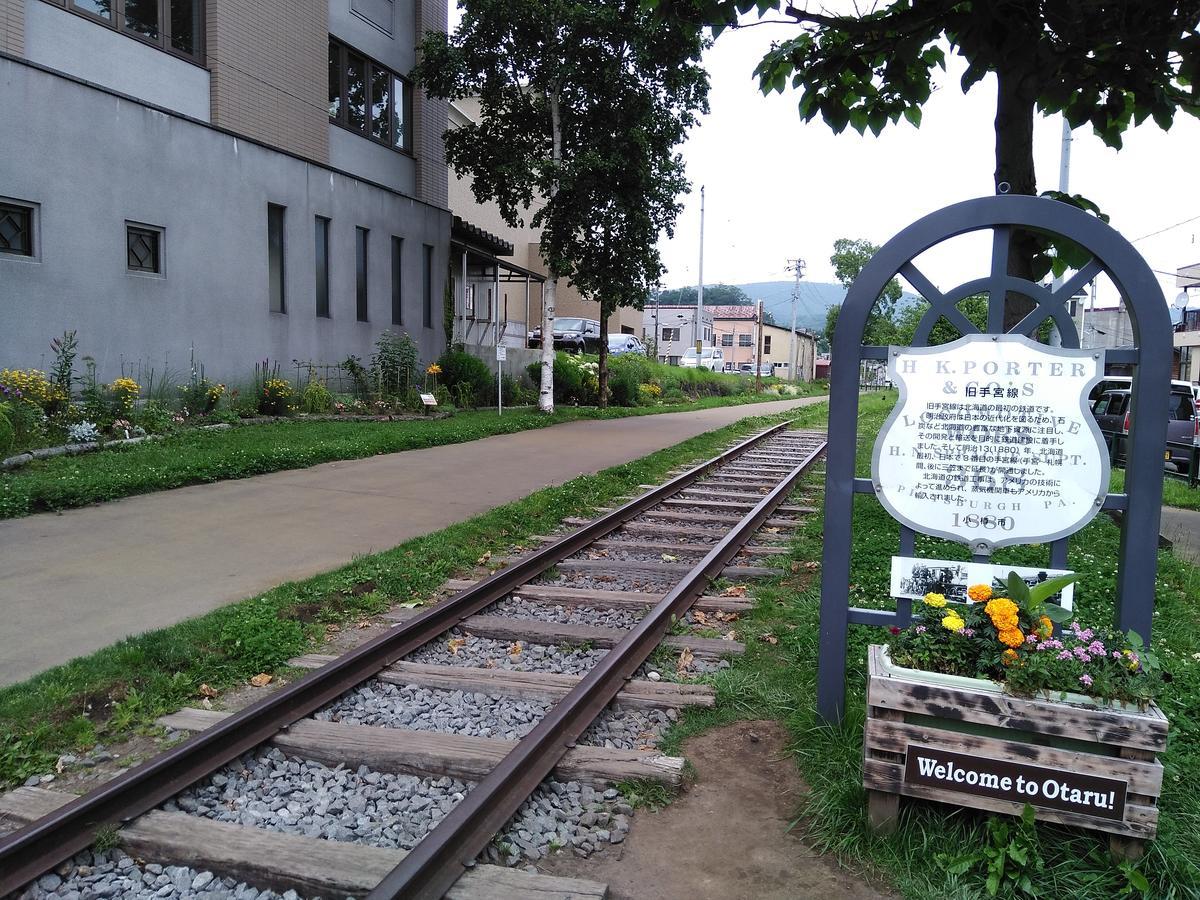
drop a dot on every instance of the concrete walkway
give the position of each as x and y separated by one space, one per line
73 583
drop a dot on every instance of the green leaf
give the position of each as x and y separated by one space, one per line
913 114
1056 613
1044 590
1018 590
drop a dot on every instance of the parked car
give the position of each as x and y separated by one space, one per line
1125 383
625 343
1112 414
711 358
571 335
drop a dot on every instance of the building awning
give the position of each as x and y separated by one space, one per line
475 238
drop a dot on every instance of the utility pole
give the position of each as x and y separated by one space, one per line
758 356
798 266
1064 181
699 333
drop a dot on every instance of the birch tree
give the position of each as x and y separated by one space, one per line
580 107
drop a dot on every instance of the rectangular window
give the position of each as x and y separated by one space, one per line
360 272
275 276
427 288
670 334
766 343
727 340
397 284
368 98
322 266
745 340
143 244
176 26
16 229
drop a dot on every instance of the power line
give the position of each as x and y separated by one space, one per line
1161 230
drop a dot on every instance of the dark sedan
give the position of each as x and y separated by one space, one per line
1112 412
571 335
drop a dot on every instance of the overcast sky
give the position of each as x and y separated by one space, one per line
777 188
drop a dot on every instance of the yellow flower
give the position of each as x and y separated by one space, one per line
935 600
952 621
434 369
979 593
1009 656
1047 628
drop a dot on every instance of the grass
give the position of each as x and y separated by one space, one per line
1175 491
778 681
120 690
199 457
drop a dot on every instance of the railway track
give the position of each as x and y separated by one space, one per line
474 736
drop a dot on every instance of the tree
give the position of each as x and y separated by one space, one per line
580 107
975 308
1107 63
848 258
714 295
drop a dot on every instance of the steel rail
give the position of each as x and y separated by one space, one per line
435 864
35 849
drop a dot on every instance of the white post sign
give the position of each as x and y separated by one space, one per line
501 356
992 442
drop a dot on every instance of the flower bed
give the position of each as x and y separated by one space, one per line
985 705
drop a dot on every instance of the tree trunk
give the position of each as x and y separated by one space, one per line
550 289
1014 165
603 368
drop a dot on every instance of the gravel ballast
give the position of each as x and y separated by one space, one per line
273 791
515 607
488 654
98 875
460 712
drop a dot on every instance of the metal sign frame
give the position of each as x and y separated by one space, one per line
1151 355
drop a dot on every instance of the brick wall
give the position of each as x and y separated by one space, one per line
430 118
268 60
12 27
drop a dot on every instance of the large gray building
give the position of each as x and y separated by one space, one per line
245 179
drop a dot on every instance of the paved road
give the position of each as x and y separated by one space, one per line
1182 528
73 583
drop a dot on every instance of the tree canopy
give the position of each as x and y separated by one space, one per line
848 258
714 295
1105 63
581 107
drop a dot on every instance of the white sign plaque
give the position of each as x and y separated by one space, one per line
428 399
501 353
992 442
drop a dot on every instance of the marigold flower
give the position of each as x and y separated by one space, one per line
1047 629
952 621
935 600
979 593
1012 637
1009 656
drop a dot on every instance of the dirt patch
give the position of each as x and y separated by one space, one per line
726 836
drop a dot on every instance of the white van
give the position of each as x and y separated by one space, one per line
711 358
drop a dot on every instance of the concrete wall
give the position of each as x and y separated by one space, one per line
70 43
352 152
116 161
269 60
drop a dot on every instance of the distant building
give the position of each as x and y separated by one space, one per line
670 331
1186 317
737 332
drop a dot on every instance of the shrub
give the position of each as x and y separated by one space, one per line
124 392
575 379
467 378
154 418
32 386
8 434
316 397
273 401
200 396
394 365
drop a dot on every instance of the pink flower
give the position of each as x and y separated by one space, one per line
920 629
1116 654
1096 648
1031 638
1085 680
1065 654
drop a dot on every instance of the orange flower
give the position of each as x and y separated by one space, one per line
1047 628
1012 637
979 593
1009 656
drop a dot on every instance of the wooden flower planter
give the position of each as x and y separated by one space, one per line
965 742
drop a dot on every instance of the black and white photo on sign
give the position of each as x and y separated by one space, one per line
914 578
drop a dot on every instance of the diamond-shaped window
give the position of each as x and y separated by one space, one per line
16 229
143 244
